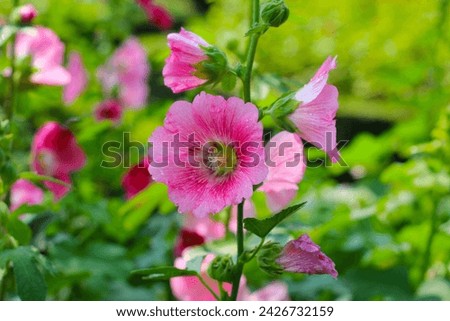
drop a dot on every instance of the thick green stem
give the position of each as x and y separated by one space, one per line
240 249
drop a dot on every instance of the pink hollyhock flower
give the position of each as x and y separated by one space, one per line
78 80
109 109
156 14
27 13
197 231
136 179
127 72
304 256
286 169
315 115
25 192
55 152
189 288
275 291
46 52
186 53
209 153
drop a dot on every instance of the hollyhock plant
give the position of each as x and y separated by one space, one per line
287 166
126 74
78 79
56 153
315 115
110 109
46 52
156 14
215 156
304 256
136 179
25 192
182 69
27 13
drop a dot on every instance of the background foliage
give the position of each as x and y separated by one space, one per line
384 219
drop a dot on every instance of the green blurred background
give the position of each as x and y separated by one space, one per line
384 218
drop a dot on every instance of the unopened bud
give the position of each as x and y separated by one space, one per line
267 256
274 13
26 13
221 268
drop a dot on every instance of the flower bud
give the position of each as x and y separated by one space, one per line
274 13
24 14
213 68
221 268
267 256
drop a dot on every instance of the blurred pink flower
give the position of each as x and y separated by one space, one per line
186 52
136 179
46 52
55 152
287 166
78 80
315 115
157 15
221 156
197 231
109 109
304 256
27 13
274 291
25 192
127 72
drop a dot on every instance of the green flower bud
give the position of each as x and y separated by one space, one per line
221 268
274 13
267 256
213 68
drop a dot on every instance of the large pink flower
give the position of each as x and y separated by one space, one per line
46 52
136 179
25 192
315 115
55 152
284 157
127 72
156 14
304 256
78 80
180 68
209 153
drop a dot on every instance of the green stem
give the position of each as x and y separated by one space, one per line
240 249
427 254
3 285
251 52
208 287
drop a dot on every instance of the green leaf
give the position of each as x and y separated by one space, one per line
30 283
263 227
36 178
20 231
162 273
28 209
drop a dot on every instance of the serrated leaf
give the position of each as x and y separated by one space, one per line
30 283
162 273
263 227
41 178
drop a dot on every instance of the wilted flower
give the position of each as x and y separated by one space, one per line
156 14
78 80
192 62
56 153
110 109
25 192
46 51
286 168
304 256
125 74
209 153
136 179
315 115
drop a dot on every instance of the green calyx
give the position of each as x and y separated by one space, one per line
213 68
281 109
221 268
267 256
274 13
